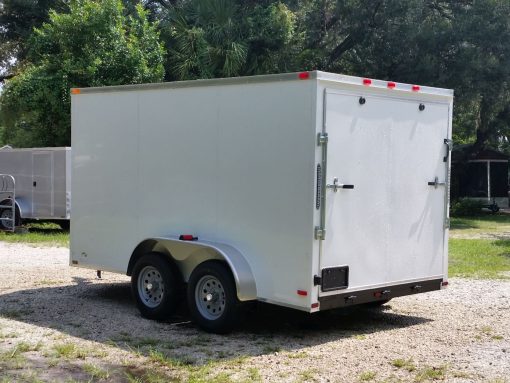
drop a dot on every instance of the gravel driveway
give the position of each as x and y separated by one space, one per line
61 324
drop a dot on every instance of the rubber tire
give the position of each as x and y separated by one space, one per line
231 314
171 279
64 224
17 220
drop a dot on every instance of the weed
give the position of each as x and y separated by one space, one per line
360 337
297 355
12 359
8 335
497 337
307 375
367 376
254 374
431 373
69 351
404 363
95 372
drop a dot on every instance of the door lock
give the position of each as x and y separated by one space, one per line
337 186
436 183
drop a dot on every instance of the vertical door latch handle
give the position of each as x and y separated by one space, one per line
337 186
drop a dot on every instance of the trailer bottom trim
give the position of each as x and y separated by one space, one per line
379 294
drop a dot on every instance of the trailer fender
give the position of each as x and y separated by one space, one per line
189 254
22 207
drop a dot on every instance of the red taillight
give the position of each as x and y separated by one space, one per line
187 237
315 305
444 283
303 293
378 294
304 75
415 88
391 85
367 81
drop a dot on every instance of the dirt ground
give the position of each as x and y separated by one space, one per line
62 324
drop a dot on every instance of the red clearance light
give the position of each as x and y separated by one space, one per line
315 305
303 293
187 237
367 81
304 75
444 283
416 88
378 294
391 85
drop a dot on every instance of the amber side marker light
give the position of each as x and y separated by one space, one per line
75 91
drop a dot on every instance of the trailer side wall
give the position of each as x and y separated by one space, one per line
228 163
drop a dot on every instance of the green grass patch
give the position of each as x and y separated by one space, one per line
492 223
39 234
479 258
406 364
95 372
69 351
431 373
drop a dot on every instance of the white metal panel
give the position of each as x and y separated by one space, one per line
389 228
104 211
231 164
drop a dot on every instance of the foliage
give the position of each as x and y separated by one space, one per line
94 44
464 45
225 38
466 207
17 20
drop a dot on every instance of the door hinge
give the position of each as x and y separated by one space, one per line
319 232
317 280
322 139
449 147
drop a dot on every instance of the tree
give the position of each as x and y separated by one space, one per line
224 38
17 21
94 44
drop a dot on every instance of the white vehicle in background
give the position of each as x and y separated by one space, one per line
308 190
39 181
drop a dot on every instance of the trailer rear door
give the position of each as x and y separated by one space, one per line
389 227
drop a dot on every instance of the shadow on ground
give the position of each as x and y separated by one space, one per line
104 312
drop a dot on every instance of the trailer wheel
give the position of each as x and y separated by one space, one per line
154 284
212 297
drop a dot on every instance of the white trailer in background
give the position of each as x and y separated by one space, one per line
39 179
307 190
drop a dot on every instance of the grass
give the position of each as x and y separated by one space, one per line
490 223
41 233
406 364
431 373
69 351
95 372
481 258
367 376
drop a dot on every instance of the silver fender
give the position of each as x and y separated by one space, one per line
189 254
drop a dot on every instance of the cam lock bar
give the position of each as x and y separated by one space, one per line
337 186
436 183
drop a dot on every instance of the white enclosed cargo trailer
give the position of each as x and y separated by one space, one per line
308 190
39 179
